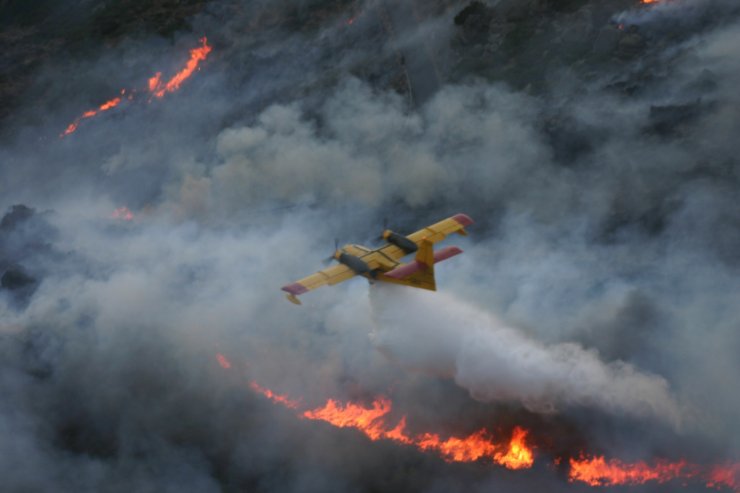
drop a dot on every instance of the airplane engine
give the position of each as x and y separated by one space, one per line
400 241
355 263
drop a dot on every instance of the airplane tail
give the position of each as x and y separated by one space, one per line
425 254
420 272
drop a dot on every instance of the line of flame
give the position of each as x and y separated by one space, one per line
155 86
197 55
277 398
597 471
91 113
516 453
373 422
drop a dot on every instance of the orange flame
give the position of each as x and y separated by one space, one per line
91 113
277 398
468 449
351 415
597 471
197 55
154 84
518 453
155 81
225 363
372 421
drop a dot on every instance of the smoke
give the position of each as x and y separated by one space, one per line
369 151
598 160
445 336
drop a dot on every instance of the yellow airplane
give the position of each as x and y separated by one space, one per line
383 264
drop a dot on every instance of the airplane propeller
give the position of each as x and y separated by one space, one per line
329 259
385 227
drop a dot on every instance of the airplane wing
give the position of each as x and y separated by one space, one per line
331 275
434 233
439 231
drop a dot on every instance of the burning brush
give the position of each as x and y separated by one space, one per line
518 451
157 88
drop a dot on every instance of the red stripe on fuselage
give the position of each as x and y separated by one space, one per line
415 266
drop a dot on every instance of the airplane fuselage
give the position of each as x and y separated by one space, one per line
351 256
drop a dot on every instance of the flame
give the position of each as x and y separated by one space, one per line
468 449
276 398
516 453
597 471
724 476
367 420
91 113
398 434
155 81
197 55
519 455
373 422
225 363
155 86
122 213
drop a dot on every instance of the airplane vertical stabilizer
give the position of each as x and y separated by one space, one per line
425 253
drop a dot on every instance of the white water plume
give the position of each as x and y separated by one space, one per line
438 333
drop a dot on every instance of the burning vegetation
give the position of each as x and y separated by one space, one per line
156 87
375 423
517 451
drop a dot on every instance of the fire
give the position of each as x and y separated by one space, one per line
197 55
122 213
277 398
724 476
471 448
367 420
155 81
155 85
374 421
91 113
597 471
225 363
519 455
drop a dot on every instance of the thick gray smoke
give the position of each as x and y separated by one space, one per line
594 142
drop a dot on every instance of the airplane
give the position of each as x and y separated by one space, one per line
383 264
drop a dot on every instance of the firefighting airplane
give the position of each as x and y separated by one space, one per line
383 264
